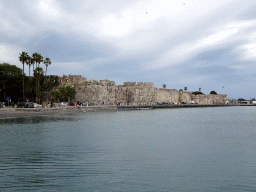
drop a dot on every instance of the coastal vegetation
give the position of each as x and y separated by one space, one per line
36 58
64 94
15 85
197 93
11 81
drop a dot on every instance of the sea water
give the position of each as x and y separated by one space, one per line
193 149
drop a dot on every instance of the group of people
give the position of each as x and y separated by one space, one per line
119 104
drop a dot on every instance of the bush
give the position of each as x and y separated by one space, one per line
213 92
197 93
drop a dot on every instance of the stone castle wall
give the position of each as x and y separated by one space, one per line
131 93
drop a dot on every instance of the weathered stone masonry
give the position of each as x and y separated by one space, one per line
131 93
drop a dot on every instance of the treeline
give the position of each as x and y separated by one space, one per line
13 81
16 86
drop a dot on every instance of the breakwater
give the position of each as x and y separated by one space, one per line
173 106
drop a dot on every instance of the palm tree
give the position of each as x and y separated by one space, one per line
37 58
185 88
29 63
23 59
47 62
38 74
34 56
40 59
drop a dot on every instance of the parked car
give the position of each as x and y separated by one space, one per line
81 103
23 105
63 104
73 104
31 105
34 105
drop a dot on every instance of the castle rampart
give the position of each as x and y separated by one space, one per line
105 91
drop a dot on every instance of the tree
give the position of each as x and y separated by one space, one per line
71 92
185 88
37 58
11 79
197 93
213 92
38 74
34 57
241 99
47 84
40 59
47 62
23 59
199 89
164 86
30 62
55 94
64 93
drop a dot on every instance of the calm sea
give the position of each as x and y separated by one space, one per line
194 149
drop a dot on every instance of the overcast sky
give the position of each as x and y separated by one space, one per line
209 44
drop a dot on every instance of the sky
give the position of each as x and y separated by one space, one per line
207 44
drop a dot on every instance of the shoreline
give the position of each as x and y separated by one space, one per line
8 113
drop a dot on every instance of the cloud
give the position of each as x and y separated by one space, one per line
139 40
218 38
9 53
247 51
49 8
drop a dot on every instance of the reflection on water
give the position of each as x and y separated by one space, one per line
208 149
34 120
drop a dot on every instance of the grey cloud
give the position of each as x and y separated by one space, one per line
248 14
66 48
214 55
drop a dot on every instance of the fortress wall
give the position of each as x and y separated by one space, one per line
167 95
199 99
185 96
121 94
131 93
162 95
70 80
209 99
129 83
134 94
107 82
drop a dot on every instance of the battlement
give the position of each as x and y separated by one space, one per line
129 83
149 84
72 79
131 92
107 82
